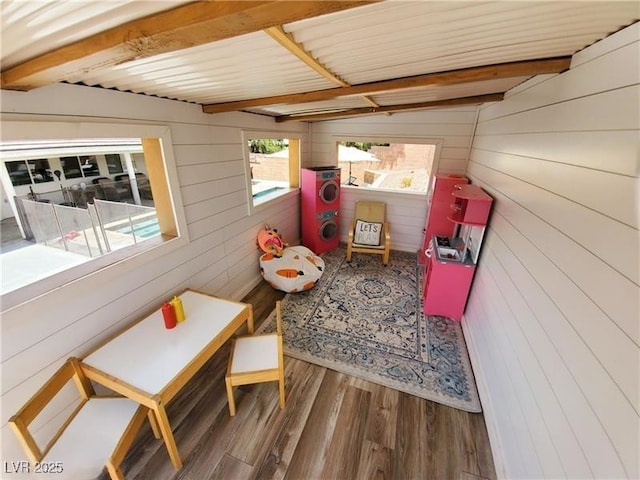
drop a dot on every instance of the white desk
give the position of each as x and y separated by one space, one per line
150 364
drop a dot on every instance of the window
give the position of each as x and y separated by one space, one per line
63 249
114 163
80 167
27 172
40 170
89 166
272 166
393 165
70 167
19 173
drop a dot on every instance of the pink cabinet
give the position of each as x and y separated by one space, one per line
450 261
439 209
470 205
446 287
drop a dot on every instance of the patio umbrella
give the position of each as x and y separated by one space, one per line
353 155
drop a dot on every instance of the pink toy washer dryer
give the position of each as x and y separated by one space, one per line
319 207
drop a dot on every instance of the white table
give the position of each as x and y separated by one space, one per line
150 364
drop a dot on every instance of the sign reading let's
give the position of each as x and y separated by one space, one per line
367 233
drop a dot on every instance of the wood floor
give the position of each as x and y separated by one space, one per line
333 427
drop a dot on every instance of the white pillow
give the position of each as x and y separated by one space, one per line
367 233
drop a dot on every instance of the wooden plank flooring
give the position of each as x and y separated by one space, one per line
333 427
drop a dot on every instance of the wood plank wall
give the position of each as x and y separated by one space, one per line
552 322
221 257
452 128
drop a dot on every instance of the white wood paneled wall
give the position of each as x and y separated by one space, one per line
552 322
221 257
405 223
406 214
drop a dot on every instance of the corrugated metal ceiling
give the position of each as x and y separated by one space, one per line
313 107
398 39
248 66
31 28
376 42
433 93
403 97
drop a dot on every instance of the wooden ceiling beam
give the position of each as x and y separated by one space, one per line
288 42
355 112
370 101
185 26
452 77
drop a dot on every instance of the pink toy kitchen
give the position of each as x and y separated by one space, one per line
454 229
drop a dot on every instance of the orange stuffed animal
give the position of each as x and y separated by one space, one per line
270 241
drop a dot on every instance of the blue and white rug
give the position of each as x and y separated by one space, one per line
366 320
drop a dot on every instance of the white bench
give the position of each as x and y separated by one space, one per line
96 435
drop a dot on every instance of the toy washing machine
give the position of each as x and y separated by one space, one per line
319 207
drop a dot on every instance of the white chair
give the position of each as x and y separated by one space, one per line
256 359
96 434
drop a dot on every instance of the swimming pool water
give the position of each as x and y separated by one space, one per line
266 191
146 229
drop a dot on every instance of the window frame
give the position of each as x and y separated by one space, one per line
123 260
294 138
437 141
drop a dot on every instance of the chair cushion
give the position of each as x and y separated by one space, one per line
89 440
367 233
257 352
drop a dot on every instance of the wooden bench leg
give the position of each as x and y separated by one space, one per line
281 391
114 472
231 400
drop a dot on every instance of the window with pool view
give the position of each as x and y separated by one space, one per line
272 167
88 202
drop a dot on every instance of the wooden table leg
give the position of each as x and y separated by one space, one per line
167 434
250 320
154 424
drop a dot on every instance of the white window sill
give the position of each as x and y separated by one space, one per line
100 270
272 198
382 190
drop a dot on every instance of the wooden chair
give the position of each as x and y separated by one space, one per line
96 434
372 235
256 359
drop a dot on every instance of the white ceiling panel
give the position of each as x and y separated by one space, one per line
430 94
31 28
398 39
314 107
403 97
247 66
393 39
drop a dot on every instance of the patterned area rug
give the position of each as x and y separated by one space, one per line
366 320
